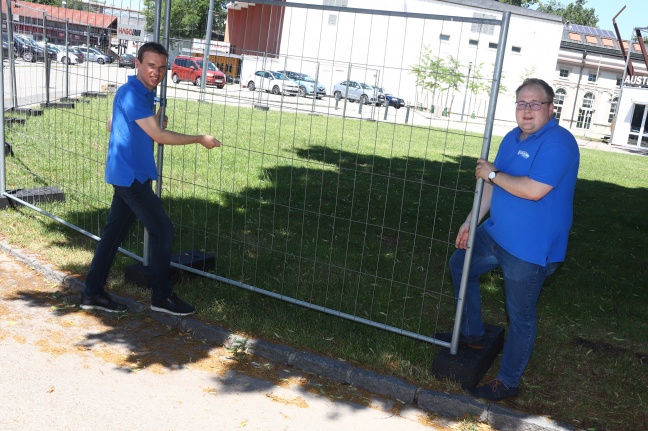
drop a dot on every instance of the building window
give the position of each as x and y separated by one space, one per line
492 45
591 39
591 77
584 120
516 49
444 37
564 73
473 42
575 37
613 109
607 42
559 101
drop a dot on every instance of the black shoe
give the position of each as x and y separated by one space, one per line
172 304
103 301
494 390
476 343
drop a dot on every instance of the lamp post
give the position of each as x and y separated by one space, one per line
466 93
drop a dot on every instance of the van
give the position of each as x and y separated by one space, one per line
186 68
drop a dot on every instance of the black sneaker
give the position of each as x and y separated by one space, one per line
172 305
494 390
103 301
476 343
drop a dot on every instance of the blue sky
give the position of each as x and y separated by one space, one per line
634 15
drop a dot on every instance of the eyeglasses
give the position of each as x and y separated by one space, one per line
535 106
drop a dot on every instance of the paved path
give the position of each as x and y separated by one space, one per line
63 368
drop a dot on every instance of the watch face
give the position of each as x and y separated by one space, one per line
491 175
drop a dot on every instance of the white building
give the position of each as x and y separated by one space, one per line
590 89
339 44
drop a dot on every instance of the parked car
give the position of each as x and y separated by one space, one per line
387 98
5 50
29 50
127 60
355 91
93 54
60 53
80 55
187 68
306 84
275 82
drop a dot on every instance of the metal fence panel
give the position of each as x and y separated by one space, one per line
339 206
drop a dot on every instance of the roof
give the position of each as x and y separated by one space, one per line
35 11
590 37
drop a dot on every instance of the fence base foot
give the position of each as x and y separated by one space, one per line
58 105
469 366
15 120
96 94
27 111
36 195
140 275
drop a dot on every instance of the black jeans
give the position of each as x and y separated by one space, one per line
129 203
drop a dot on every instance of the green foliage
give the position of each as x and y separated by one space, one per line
434 73
238 348
188 17
437 74
521 3
575 13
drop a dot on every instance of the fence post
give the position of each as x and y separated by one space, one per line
67 62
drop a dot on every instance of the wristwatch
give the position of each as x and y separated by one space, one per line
492 176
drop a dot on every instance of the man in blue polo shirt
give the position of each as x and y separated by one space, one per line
130 168
529 191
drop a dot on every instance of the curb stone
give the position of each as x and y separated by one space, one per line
439 403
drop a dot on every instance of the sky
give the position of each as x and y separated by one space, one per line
634 15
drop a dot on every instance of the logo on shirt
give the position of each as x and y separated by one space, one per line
523 153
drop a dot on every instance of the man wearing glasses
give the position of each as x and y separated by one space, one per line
529 192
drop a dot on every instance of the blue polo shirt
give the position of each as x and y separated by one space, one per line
130 149
536 231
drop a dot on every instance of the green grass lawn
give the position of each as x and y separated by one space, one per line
359 217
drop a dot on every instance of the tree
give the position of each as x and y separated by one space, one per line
434 73
188 17
574 13
521 3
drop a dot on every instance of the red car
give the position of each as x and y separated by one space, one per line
186 68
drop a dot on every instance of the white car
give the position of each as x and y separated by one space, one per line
355 91
61 54
275 82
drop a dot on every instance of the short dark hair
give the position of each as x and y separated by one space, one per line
536 82
153 47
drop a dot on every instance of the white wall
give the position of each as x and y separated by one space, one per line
382 49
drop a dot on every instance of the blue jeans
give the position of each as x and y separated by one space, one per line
129 203
522 285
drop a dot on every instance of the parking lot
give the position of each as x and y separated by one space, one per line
74 80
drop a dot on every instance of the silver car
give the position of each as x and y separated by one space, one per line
306 84
275 82
355 91
93 54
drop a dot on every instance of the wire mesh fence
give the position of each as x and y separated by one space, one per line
339 188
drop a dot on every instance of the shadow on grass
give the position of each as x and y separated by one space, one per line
370 236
